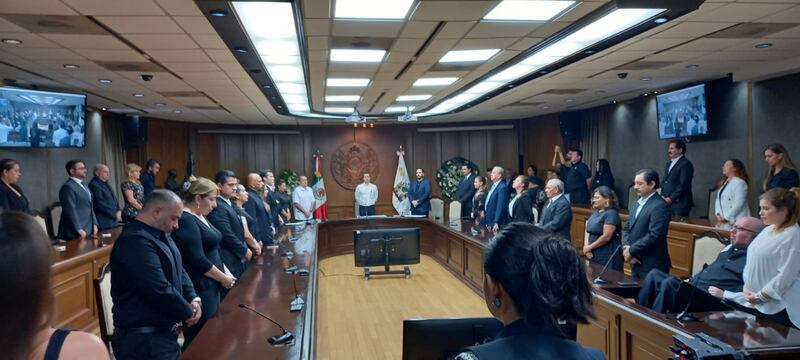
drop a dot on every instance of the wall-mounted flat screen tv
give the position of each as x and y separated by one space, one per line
682 113
38 119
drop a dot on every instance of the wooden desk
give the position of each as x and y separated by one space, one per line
73 271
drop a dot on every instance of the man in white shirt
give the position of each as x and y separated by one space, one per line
366 196
59 134
303 200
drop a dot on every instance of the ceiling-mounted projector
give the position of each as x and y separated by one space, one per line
355 117
407 116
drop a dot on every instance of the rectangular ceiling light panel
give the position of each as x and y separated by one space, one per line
403 98
348 55
342 98
348 82
435 81
455 56
372 9
398 109
527 10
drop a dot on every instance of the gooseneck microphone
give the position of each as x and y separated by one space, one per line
599 280
685 315
286 338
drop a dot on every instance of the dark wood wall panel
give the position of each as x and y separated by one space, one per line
477 149
503 148
207 151
263 152
540 135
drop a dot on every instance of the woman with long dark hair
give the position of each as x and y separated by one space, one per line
520 208
731 201
534 279
602 175
11 196
782 172
479 199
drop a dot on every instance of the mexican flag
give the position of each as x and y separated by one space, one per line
321 211
400 188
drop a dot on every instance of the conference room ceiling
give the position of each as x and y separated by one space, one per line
197 77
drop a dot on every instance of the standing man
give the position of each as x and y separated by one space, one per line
78 219
644 236
262 221
466 190
677 187
271 197
226 219
579 179
497 201
366 196
557 213
106 206
419 193
148 178
151 291
303 201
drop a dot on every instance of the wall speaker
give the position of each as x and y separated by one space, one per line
134 131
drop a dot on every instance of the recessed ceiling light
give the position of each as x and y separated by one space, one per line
371 9
692 66
104 109
138 94
104 81
218 13
347 82
240 49
71 66
655 92
660 20
161 104
764 46
468 55
613 101
524 10
177 111
349 55
435 81
396 109
645 94
342 98
414 97
338 110
646 78
545 107
570 100
12 41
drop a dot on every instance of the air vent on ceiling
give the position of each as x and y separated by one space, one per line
343 42
136 66
645 65
751 30
56 24
174 94
563 91
455 66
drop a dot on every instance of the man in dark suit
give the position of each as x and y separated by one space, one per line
497 201
151 291
106 206
148 177
78 219
579 178
677 187
268 177
723 278
226 219
419 193
466 190
644 236
557 213
262 221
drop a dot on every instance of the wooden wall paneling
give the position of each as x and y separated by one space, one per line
539 136
455 258
454 144
207 152
473 264
478 150
502 148
233 153
426 154
174 148
641 340
289 154
264 152
601 333
73 293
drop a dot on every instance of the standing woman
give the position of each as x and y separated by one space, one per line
283 201
479 199
520 206
133 193
602 175
773 259
11 196
240 197
198 242
782 172
604 227
731 203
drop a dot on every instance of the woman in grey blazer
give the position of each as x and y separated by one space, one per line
731 202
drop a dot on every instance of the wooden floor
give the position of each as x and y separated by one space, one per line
361 319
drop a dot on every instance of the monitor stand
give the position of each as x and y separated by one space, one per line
386 271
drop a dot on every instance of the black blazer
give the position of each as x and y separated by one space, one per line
77 211
199 246
233 248
261 225
149 286
105 204
522 209
646 235
603 179
465 192
677 185
10 201
557 217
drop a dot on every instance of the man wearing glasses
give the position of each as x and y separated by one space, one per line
722 278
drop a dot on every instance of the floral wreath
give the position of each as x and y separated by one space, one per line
291 179
449 175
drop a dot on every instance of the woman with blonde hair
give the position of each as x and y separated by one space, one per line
782 172
133 192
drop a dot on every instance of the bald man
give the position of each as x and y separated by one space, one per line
255 207
106 205
722 278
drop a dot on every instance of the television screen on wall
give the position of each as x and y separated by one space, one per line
682 113
39 119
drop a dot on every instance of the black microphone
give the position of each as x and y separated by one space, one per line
599 280
685 315
287 338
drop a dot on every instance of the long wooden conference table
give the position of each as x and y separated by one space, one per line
622 330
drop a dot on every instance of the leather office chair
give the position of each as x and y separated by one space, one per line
437 210
102 294
454 211
40 220
706 249
52 219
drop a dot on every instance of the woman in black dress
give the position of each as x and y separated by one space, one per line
283 201
11 196
198 242
520 206
602 175
782 172
479 199
604 227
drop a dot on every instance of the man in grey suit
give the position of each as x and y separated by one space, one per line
644 236
557 216
78 219
466 190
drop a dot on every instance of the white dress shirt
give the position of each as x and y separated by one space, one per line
553 200
511 205
672 163
641 202
366 194
305 197
773 267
